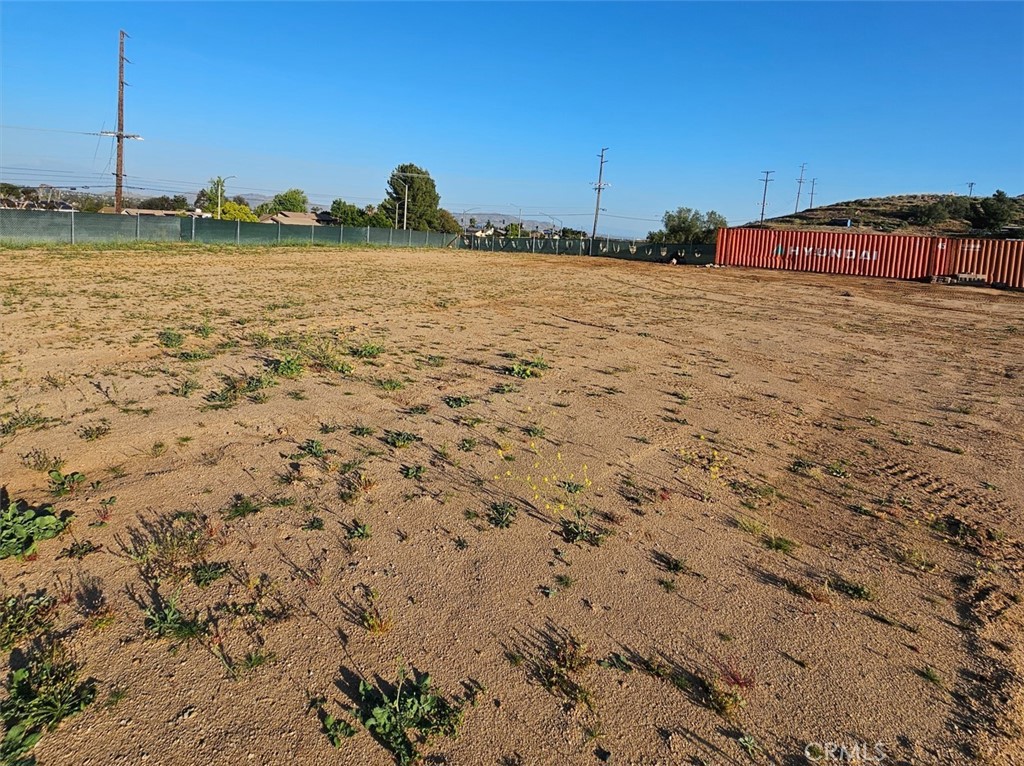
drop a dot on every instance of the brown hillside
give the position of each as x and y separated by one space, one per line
901 214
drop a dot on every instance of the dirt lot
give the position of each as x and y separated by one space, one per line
620 512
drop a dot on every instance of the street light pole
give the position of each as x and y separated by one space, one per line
406 203
220 192
405 219
554 220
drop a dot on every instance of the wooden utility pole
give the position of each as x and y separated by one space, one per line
764 198
599 186
120 135
799 187
119 172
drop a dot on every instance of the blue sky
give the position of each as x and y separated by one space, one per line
508 104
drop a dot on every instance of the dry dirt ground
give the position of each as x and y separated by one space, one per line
619 512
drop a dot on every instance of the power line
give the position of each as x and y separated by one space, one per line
764 198
970 189
814 181
599 186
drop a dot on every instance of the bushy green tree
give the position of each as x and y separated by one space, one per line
177 202
993 213
291 201
447 223
348 214
423 199
688 226
232 211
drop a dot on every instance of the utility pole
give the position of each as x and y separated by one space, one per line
120 135
119 187
813 182
970 189
799 186
599 186
764 198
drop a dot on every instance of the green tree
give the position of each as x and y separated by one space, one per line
232 211
513 230
567 233
688 226
993 213
421 213
217 196
291 201
447 223
178 202
204 202
348 214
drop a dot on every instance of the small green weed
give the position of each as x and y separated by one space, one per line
22 526
357 530
79 550
170 338
94 431
413 471
41 460
502 514
186 388
240 507
457 402
781 544
25 616
578 529
39 696
206 573
931 675
165 620
391 713
851 588
62 485
366 350
290 366
20 420
399 439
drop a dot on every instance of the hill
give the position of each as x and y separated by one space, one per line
916 214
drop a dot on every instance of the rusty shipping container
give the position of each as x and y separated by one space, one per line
864 255
1000 260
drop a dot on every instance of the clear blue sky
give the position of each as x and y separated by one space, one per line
508 104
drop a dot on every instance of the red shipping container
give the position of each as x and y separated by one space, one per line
864 255
1000 260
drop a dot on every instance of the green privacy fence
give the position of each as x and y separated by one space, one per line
699 255
209 230
73 227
